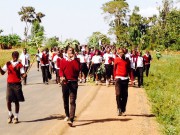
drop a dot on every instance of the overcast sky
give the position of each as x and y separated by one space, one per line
75 19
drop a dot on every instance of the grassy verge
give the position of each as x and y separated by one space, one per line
5 55
163 89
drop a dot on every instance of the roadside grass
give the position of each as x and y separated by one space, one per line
5 55
163 89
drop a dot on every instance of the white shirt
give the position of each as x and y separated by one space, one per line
24 59
55 61
140 61
106 57
96 59
13 64
38 56
128 55
83 58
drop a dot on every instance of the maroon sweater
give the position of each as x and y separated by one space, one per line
69 69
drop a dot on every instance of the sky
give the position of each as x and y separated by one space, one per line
76 19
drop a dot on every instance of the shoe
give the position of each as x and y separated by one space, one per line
46 83
10 118
96 82
15 121
66 119
80 81
70 123
119 113
123 114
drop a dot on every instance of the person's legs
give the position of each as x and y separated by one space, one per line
65 92
73 96
43 73
147 69
138 74
141 76
118 99
46 73
25 79
124 94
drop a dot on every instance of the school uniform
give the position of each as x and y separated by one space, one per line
133 62
69 69
38 60
96 60
140 68
14 88
121 71
147 60
108 57
25 59
45 66
83 61
56 61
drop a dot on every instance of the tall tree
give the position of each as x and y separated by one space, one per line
28 15
117 10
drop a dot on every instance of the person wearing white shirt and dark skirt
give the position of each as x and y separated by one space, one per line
140 69
96 62
108 57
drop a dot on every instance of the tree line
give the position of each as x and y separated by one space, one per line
131 30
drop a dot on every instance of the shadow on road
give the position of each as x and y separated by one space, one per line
52 117
101 121
141 115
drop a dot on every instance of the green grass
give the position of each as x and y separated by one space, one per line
163 89
5 55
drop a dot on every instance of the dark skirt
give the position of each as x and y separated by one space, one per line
84 68
14 92
95 68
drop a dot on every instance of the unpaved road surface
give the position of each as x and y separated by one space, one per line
42 113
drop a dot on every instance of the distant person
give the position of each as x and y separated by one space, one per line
25 59
158 54
69 73
147 60
44 58
57 59
121 71
108 58
96 63
14 88
38 59
140 69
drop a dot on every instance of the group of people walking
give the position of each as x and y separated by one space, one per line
108 64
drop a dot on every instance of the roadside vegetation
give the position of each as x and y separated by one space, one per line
163 89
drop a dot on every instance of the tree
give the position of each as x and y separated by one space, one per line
117 9
97 39
28 15
37 34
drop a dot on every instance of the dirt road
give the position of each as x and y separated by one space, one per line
43 113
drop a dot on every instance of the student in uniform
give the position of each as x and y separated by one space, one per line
14 92
96 62
147 59
84 68
69 72
38 59
25 59
57 58
133 63
140 69
121 71
108 57
44 58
